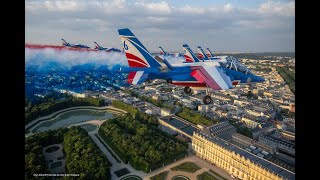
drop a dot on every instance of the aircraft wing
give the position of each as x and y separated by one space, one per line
137 77
213 76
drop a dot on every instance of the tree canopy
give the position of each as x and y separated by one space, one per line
82 155
288 76
194 117
137 143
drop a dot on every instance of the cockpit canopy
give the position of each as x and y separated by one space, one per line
231 58
234 64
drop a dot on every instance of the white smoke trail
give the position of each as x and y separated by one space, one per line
174 60
69 58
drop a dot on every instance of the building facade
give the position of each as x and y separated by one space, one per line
249 121
277 143
236 161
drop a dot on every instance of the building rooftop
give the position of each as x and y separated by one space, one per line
253 158
189 130
218 128
176 123
278 140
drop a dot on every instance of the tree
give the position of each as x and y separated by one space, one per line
139 143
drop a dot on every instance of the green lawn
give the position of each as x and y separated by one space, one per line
206 176
161 176
187 167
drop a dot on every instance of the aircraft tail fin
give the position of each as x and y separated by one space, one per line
201 54
162 52
166 62
137 77
97 45
189 55
137 55
209 53
65 43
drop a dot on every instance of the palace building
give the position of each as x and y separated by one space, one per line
236 161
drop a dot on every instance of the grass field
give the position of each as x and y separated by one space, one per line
187 167
206 176
161 176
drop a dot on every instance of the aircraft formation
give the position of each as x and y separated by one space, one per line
97 47
204 71
209 72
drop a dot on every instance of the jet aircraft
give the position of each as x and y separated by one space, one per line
142 66
208 56
162 52
65 43
237 72
98 47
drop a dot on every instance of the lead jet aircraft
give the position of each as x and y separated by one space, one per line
65 43
142 66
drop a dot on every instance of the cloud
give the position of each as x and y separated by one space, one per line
162 7
56 6
277 8
191 10
160 22
157 19
227 7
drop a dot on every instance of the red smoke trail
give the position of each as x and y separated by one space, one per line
41 46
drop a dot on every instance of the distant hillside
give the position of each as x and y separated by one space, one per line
264 55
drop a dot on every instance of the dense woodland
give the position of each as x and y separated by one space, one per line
34 111
194 117
144 147
82 155
288 76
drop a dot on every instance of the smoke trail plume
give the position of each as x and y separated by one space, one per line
48 57
65 58
173 60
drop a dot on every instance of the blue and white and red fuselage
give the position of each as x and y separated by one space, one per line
237 72
143 66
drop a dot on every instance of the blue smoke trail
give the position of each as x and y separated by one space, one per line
51 58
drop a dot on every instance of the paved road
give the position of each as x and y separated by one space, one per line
115 165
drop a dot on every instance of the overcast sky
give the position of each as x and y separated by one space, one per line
233 25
